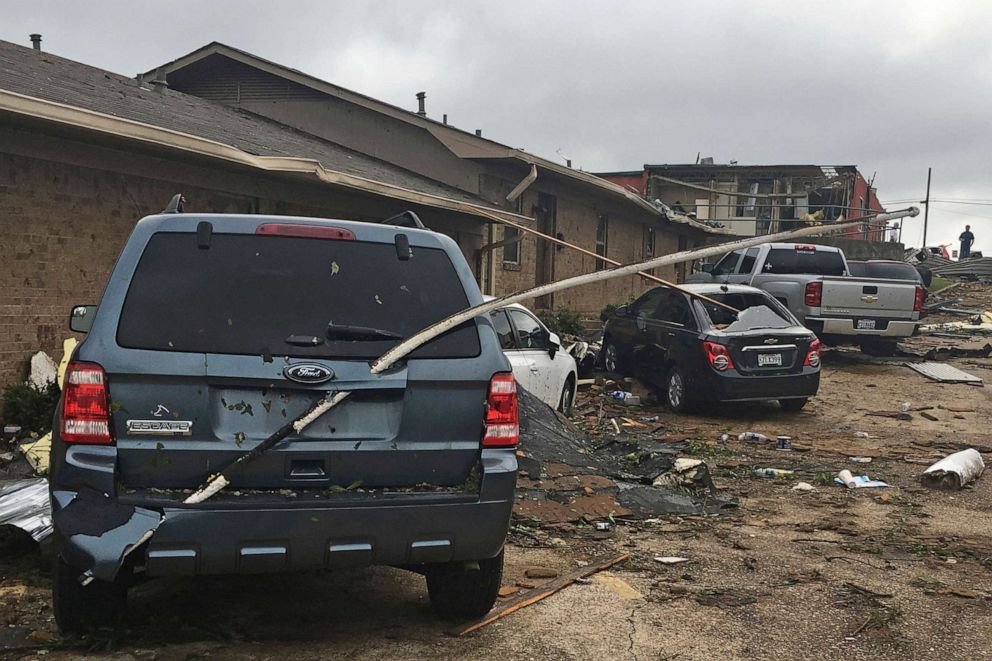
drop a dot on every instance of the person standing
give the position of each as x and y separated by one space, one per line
966 239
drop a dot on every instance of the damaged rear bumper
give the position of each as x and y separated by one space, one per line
242 538
240 541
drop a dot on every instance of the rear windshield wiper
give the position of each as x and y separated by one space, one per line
335 332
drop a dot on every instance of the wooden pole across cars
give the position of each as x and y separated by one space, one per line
219 480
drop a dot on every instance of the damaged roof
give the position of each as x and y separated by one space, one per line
462 143
48 77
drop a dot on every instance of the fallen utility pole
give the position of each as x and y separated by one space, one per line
604 258
387 360
534 596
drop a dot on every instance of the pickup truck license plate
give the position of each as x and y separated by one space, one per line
866 324
769 359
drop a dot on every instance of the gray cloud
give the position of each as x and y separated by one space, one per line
894 87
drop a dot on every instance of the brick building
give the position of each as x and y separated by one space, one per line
84 153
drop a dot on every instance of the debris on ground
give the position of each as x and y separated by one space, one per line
944 373
857 481
954 471
535 595
24 504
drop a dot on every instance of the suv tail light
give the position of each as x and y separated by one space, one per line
86 405
813 354
719 356
502 421
921 296
814 293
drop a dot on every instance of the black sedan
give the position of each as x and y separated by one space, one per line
699 352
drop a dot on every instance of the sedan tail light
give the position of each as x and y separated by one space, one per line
814 293
502 421
921 296
813 354
86 405
719 356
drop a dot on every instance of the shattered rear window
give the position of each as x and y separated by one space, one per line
794 260
757 311
248 294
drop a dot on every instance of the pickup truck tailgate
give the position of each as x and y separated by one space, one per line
868 297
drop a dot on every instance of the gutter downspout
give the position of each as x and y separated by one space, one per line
523 185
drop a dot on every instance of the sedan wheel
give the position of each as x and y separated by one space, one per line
566 400
611 358
676 391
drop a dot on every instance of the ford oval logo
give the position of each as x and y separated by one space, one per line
308 373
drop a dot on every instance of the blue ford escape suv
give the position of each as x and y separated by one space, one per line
216 331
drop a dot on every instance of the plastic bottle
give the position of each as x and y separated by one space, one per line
773 472
752 436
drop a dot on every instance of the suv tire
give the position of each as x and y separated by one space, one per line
79 608
457 592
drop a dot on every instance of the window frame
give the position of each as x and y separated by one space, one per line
602 239
516 337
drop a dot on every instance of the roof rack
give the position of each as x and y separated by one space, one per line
176 204
405 219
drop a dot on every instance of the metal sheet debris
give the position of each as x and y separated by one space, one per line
24 504
944 373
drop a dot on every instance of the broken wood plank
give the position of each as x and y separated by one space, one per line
534 596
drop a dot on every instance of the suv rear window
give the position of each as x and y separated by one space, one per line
793 260
248 294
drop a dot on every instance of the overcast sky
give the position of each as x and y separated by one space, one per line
893 87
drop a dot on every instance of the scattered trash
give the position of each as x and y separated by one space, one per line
804 486
954 471
618 586
507 591
752 436
691 474
860 460
783 443
861 434
602 526
906 406
773 472
24 504
930 417
670 559
857 481
616 427
44 370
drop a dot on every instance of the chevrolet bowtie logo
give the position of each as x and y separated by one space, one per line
869 298
771 340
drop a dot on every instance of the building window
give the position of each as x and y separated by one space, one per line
511 252
649 238
602 231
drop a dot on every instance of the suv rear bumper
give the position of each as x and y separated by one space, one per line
242 541
894 328
240 537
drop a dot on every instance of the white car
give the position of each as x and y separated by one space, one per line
539 363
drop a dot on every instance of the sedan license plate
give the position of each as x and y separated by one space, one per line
769 359
866 324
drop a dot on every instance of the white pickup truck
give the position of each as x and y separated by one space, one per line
814 282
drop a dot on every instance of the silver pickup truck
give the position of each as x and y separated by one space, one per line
813 281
